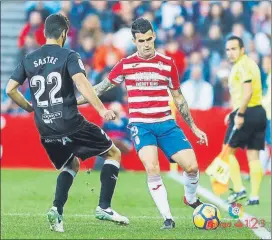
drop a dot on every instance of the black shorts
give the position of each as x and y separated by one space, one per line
252 133
87 142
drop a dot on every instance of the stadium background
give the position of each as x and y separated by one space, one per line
192 32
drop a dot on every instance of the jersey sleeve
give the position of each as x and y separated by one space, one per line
116 74
245 73
19 74
174 82
75 64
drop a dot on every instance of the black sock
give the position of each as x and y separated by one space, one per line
108 178
64 183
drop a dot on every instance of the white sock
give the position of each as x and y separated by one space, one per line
190 186
159 195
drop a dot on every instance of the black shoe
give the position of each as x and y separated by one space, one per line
193 205
168 224
252 202
236 196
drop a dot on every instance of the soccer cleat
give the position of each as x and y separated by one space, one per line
193 205
236 196
55 220
168 224
110 215
252 202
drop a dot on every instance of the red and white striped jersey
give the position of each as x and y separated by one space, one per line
147 81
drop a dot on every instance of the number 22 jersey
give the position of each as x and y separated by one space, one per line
49 71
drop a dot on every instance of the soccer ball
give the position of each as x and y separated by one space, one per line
206 216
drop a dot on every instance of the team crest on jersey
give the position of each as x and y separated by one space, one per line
47 117
160 65
80 63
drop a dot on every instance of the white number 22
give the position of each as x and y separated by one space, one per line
39 81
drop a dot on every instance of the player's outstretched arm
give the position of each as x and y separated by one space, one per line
14 93
99 88
183 108
88 92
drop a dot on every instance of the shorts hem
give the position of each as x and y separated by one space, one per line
179 151
146 146
106 150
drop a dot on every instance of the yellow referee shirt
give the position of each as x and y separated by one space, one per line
243 70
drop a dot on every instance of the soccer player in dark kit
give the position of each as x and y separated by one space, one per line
66 136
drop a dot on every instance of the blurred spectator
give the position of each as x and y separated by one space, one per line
124 14
78 12
266 70
261 18
218 16
197 92
100 55
221 89
238 15
156 10
196 59
71 41
238 30
262 43
29 46
91 28
40 7
86 50
122 40
170 10
173 51
215 41
106 16
190 40
211 61
35 27
140 8
191 11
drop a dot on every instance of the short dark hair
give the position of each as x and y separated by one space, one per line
240 41
141 25
54 25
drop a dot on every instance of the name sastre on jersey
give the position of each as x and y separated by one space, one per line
42 61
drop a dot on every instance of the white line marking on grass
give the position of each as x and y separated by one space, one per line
92 215
261 232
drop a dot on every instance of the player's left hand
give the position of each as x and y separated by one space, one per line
107 114
238 121
201 136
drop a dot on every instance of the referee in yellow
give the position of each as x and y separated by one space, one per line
249 118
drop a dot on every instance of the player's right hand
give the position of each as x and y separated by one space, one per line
107 114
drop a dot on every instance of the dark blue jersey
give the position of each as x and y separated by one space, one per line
49 71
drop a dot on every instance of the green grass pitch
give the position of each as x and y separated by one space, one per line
26 195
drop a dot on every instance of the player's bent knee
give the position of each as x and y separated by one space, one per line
114 153
74 165
192 169
152 168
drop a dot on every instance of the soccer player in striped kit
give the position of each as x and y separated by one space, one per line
148 75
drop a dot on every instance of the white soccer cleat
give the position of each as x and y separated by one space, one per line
110 215
55 220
